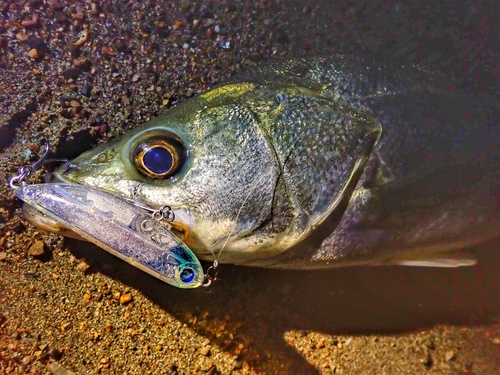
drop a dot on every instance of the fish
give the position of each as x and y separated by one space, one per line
115 225
315 162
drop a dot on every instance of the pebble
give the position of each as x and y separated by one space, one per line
177 25
26 360
55 353
82 63
72 73
84 37
125 298
496 340
86 90
22 37
75 104
37 249
33 53
136 77
3 255
108 51
37 43
205 351
56 369
449 355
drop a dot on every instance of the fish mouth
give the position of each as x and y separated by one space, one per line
56 177
44 222
181 225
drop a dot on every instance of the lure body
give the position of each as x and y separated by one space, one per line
119 227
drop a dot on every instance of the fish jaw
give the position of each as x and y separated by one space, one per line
47 223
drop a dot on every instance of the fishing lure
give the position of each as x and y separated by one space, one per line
127 231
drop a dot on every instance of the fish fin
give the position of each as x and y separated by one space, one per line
384 173
444 260
380 173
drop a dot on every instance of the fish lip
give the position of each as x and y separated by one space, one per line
56 177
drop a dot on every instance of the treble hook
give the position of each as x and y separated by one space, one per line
27 170
43 159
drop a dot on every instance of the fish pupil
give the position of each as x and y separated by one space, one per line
158 160
187 275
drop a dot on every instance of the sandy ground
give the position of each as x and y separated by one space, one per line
79 75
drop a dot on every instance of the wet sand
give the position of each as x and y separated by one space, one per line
80 75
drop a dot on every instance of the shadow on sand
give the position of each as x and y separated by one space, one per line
261 304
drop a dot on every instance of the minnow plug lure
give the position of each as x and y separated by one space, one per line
123 229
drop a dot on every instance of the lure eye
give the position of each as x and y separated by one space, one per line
187 275
159 157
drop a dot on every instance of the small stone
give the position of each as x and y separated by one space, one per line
72 73
449 355
37 43
136 77
33 53
37 249
56 368
82 63
104 360
79 16
184 6
320 344
55 353
108 51
177 25
205 351
22 37
26 360
86 90
82 266
496 340
3 255
125 298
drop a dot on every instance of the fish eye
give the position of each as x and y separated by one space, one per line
159 158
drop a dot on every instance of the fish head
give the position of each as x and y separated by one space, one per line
246 175
210 163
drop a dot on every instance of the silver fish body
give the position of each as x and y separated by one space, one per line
318 162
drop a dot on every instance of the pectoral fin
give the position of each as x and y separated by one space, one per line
445 260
